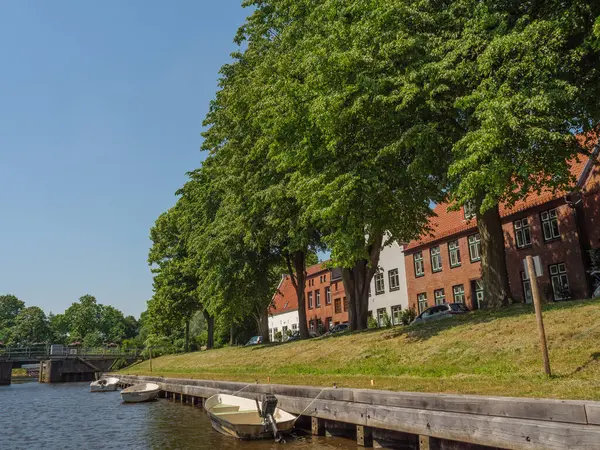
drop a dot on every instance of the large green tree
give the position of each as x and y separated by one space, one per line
10 307
30 327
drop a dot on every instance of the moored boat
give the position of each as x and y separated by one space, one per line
104 385
244 418
137 393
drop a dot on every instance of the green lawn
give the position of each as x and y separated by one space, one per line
485 352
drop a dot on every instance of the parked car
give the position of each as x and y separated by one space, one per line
441 312
337 328
296 335
255 340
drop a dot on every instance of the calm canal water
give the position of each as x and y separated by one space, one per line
68 416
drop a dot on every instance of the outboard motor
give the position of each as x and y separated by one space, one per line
267 412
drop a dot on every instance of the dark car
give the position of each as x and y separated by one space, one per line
296 335
340 327
255 340
438 312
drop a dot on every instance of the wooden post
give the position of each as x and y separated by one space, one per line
317 426
424 443
150 359
364 436
537 304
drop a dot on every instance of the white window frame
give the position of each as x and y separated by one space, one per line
318 298
550 226
454 253
380 313
440 296
559 281
327 295
479 292
422 302
526 283
394 279
522 229
474 241
419 264
396 311
310 300
379 283
436 259
458 294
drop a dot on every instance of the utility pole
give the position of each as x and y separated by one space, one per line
150 359
537 304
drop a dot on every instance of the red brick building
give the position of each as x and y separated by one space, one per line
326 303
445 266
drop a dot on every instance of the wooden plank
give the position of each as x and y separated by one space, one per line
500 432
593 413
364 436
424 443
317 426
524 408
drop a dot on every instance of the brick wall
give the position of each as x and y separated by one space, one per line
317 282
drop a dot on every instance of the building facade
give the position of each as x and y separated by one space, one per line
445 266
283 313
388 292
326 303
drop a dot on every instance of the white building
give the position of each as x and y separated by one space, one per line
388 292
283 314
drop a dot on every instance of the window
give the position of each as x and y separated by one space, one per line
478 289
527 287
318 298
475 247
336 286
560 281
454 253
328 295
436 259
310 303
419 267
338 305
379 283
422 302
396 315
380 317
329 322
469 210
294 326
345 304
522 232
319 325
440 296
311 325
394 279
271 334
459 293
550 225
324 278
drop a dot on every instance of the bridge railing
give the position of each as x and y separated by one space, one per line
43 351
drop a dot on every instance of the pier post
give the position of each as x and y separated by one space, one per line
424 443
364 436
317 426
5 373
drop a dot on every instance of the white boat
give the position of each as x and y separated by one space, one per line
104 385
137 393
244 418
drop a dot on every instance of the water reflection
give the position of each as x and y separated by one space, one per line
68 416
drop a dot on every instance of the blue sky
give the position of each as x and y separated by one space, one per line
101 106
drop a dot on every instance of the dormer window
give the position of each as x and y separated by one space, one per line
469 210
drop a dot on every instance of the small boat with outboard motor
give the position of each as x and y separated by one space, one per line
104 385
245 418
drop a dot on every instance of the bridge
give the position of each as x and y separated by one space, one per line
63 364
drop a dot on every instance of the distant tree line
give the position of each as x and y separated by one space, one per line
85 322
338 123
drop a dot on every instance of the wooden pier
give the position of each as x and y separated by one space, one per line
415 420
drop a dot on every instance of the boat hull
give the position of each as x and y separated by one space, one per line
104 385
140 393
248 432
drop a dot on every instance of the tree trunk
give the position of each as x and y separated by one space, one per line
210 323
496 289
187 335
356 285
298 277
231 331
264 325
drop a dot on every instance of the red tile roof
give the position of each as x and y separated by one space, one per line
285 299
448 223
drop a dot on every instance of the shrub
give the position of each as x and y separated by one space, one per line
407 316
371 322
278 336
387 321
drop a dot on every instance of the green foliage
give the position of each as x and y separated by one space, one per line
31 326
371 322
387 321
10 306
278 336
407 316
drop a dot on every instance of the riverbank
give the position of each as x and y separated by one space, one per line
485 352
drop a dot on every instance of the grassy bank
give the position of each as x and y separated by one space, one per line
494 353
